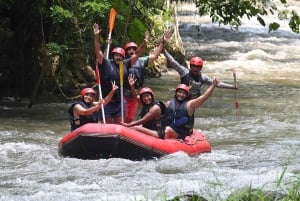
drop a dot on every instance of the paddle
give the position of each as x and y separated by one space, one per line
236 99
111 23
100 91
121 70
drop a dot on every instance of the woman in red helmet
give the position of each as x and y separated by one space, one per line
87 111
193 77
137 69
109 71
151 111
178 119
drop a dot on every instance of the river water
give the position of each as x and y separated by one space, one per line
252 146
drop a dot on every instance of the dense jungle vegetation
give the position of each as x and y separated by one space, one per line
47 46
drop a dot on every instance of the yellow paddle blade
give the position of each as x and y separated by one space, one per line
121 70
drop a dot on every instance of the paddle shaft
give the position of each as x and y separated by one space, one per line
121 71
236 98
100 91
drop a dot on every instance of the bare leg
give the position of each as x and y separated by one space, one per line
117 120
108 120
146 131
170 133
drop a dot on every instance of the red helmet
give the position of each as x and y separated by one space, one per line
146 90
196 61
131 44
184 87
119 50
87 91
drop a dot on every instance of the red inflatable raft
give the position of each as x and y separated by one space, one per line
95 141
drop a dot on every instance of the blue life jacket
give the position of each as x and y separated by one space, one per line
178 118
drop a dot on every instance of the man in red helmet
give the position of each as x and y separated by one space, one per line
87 111
193 77
137 69
109 71
178 119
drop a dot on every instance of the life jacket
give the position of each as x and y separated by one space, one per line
113 74
93 118
178 119
137 69
153 124
195 83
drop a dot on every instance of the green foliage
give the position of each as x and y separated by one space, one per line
55 49
92 11
60 14
137 27
273 26
292 16
294 22
231 12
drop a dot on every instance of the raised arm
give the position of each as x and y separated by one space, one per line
98 52
139 51
131 81
182 71
159 48
153 112
193 104
208 81
109 96
79 110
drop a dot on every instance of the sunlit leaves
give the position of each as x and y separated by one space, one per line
60 14
55 49
92 9
231 12
273 26
283 15
294 22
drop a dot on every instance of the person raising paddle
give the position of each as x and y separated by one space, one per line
109 71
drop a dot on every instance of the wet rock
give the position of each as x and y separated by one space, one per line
190 196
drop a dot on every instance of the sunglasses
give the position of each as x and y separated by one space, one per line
195 66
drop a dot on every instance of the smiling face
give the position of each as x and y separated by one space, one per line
147 98
130 51
181 94
88 97
117 58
